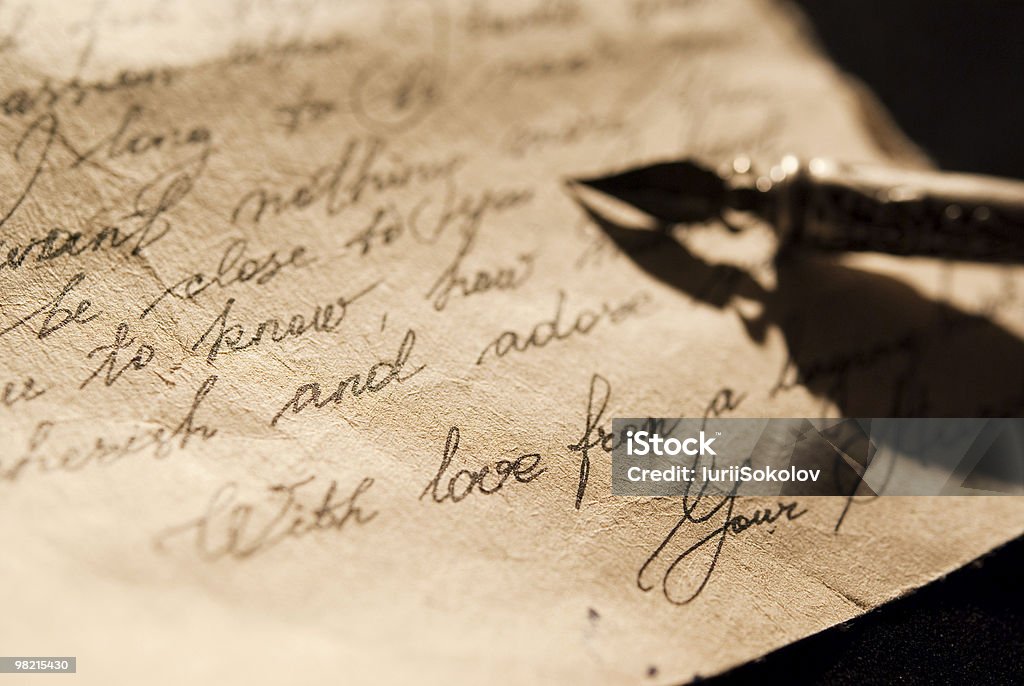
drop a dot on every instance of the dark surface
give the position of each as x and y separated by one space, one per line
952 74
967 628
950 71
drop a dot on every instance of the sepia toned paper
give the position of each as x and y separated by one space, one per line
308 351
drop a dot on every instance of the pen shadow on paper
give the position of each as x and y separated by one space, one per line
866 343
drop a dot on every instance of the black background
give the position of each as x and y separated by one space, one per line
951 72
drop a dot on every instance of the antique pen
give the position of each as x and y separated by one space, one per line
831 206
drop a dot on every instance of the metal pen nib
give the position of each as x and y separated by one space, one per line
830 206
682 192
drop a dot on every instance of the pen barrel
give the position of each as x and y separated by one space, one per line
906 212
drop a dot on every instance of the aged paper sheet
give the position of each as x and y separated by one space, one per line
308 355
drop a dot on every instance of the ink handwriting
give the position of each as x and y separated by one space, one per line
234 267
47 454
57 316
110 368
222 338
378 377
554 329
230 528
24 391
680 585
522 469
